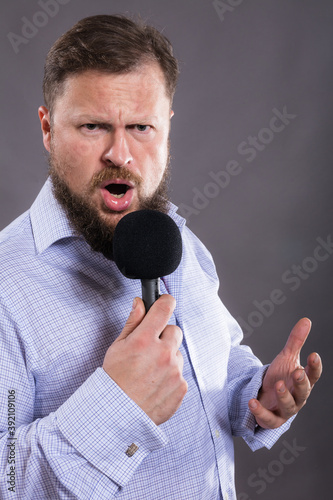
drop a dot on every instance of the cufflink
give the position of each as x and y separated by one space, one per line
131 450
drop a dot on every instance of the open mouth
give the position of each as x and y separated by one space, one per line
117 194
117 190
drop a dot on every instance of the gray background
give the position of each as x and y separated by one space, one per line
236 68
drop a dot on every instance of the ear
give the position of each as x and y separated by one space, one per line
45 122
171 113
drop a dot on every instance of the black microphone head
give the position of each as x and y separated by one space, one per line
147 245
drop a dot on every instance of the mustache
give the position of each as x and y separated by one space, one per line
114 173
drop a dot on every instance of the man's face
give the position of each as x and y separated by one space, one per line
108 140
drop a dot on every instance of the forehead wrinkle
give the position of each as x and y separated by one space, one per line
130 96
111 112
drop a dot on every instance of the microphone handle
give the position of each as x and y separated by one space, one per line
150 291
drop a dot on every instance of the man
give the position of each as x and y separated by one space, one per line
97 402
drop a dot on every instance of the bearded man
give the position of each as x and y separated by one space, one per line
112 403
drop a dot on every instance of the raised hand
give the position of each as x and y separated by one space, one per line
145 360
287 385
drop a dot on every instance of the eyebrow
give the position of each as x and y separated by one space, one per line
98 120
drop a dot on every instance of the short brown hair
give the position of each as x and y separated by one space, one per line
114 44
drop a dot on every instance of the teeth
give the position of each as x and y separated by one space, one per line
118 195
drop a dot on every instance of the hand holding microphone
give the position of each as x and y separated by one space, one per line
145 360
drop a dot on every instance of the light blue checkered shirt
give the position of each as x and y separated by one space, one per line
61 306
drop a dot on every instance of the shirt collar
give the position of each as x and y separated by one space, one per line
48 219
50 223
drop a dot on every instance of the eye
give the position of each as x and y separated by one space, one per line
91 126
143 128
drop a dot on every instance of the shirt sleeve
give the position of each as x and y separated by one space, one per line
78 451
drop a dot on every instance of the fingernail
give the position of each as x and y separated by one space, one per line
134 304
253 405
282 388
301 376
316 358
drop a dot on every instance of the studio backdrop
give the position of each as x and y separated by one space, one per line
251 145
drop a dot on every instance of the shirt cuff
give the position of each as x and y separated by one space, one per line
255 436
101 423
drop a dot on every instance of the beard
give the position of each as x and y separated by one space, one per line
84 217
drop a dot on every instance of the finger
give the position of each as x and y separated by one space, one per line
172 335
301 388
314 368
297 337
264 417
134 319
180 361
289 403
157 317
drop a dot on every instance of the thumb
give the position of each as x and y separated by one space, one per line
134 319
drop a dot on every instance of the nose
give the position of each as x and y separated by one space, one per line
117 151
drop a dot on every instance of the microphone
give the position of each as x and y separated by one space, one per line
147 244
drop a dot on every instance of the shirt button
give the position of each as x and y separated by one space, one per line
225 496
217 433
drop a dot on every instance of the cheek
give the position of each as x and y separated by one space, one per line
69 144
162 160
74 159
158 156
154 169
78 151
